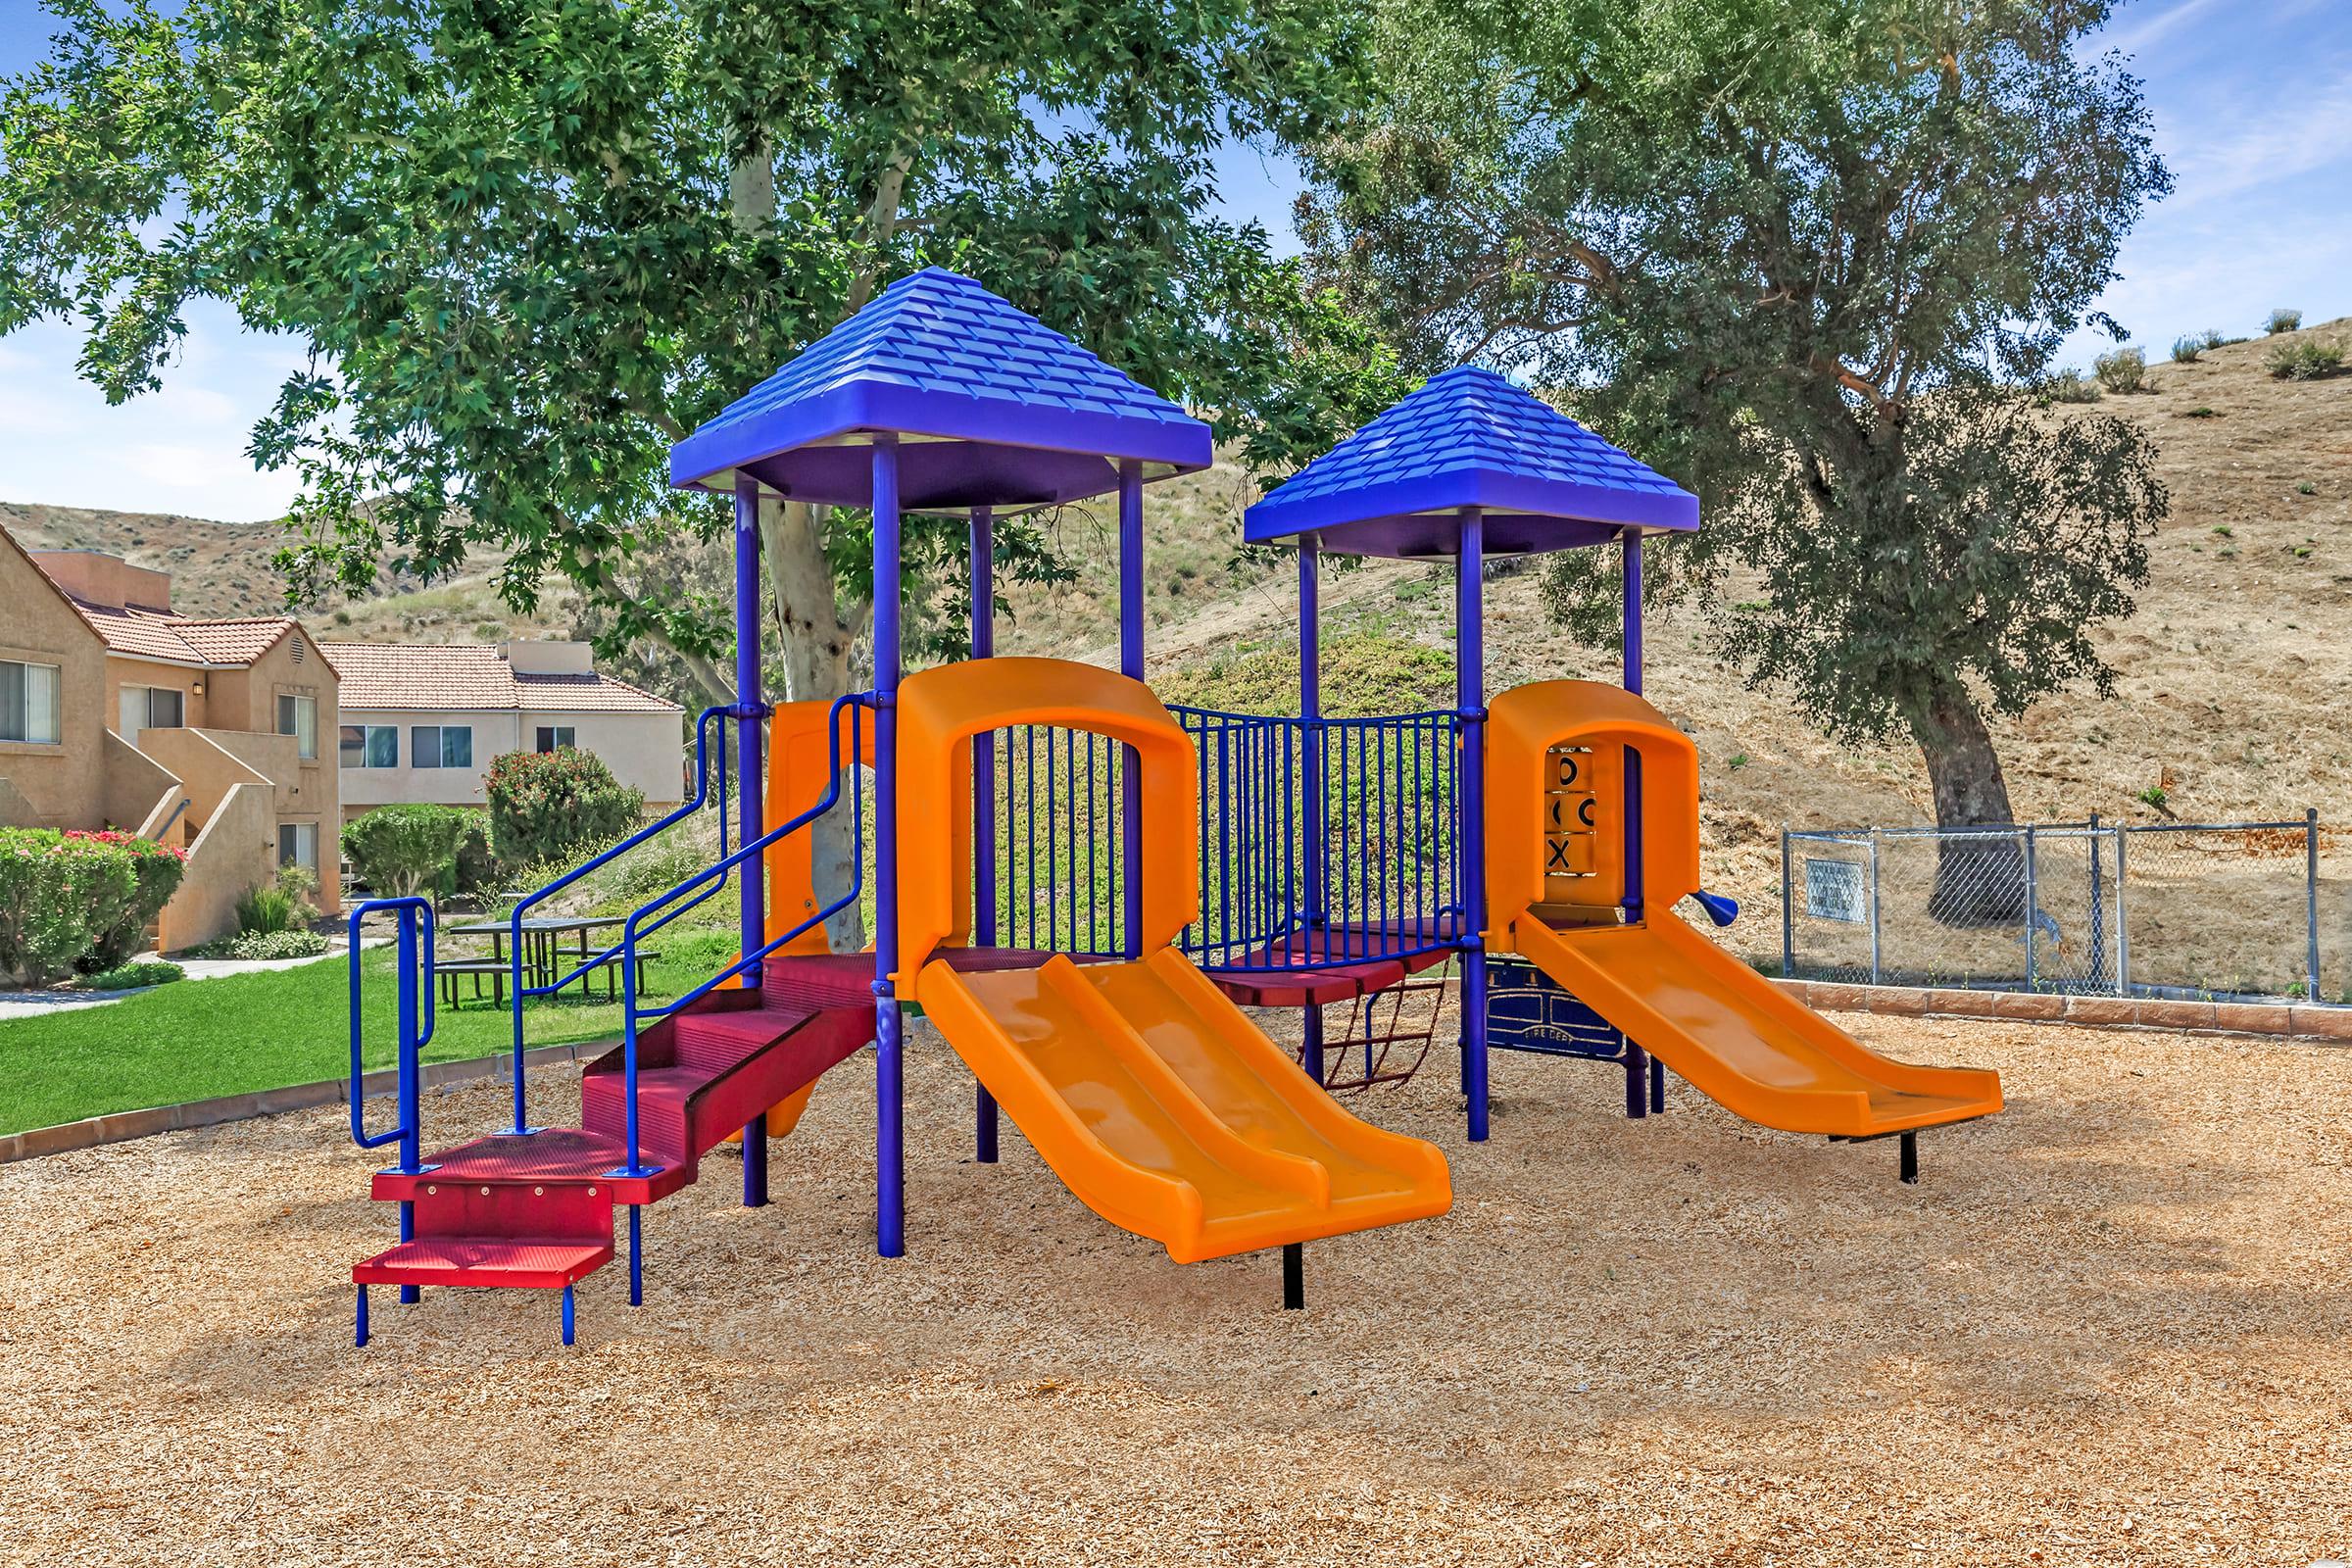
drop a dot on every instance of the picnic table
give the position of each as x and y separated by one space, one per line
546 956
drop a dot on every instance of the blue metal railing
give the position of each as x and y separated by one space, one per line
1057 799
714 876
705 775
1327 840
415 918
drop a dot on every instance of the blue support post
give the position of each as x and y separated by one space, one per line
412 1148
1636 1103
1131 665
1470 701
984 800
748 708
890 1065
567 1314
359 1328
636 1254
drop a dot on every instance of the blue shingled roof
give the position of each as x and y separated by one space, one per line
1470 438
937 355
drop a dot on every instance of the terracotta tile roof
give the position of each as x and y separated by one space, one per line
460 675
152 634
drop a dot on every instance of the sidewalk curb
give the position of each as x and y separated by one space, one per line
2270 1020
121 1126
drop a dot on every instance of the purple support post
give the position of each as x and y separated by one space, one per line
890 1065
1640 1084
753 910
1470 703
984 799
1311 710
1131 665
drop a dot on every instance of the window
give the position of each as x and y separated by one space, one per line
152 707
440 746
371 746
554 736
298 716
298 845
28 703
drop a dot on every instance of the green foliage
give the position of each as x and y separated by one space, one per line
1736 762
1365 672
296 943
131 977
1810 257
531 245
546 805
2200 412
2069 385
2122 370
75 900
2282 321
400 851
2307 360
267 910
2155 794
2185 350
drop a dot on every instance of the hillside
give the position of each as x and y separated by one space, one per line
2230 676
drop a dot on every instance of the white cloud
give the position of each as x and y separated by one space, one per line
2223 158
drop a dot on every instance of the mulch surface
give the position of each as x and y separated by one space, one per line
2112 1325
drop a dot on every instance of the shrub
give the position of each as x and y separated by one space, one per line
2216 338
2282 321
70 900
399 849
301 884
473 867
270 944
267 910
2187 349
2069 385
544 804
132 977
2304 362
2122 370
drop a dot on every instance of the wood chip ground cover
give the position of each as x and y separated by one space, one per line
2113 1326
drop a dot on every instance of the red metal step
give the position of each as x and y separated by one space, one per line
571 1155
528 1262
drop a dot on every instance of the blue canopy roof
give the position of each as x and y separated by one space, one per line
1470 438
996 409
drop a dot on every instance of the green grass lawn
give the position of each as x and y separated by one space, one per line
196 1038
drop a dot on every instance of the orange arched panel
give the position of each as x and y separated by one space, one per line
940 711
1526 728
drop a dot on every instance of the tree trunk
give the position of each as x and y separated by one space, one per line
1980 879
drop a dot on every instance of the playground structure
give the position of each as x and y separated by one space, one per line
1084 888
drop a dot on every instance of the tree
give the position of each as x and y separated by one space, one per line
401 851
1812 256
531 243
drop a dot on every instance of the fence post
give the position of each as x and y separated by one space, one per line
1874 907
1788 919
2098 909
2123 917
2032 907
2311 898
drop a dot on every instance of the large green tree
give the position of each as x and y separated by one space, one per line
1812 256
531 243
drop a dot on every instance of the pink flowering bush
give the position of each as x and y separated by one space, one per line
79 901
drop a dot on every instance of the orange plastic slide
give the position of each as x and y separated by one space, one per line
1742 1042
1166 1111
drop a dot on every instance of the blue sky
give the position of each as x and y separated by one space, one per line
2253 109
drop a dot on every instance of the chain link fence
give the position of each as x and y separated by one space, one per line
2218 910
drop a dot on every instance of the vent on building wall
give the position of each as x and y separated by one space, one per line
298 649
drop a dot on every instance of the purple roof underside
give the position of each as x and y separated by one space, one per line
1470 438
998 410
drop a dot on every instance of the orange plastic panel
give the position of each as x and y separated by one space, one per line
1167 1112
799 772
1740 1040
941 710
1528 731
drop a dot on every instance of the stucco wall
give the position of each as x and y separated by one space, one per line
247 700
643 750
60 785
136 784
122 671
236 851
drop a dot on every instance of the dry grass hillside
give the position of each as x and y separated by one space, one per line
2230 678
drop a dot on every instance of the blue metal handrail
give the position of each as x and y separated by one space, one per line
703 780
1344 832
716 875
416 914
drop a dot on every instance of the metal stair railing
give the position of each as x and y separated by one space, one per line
706 774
